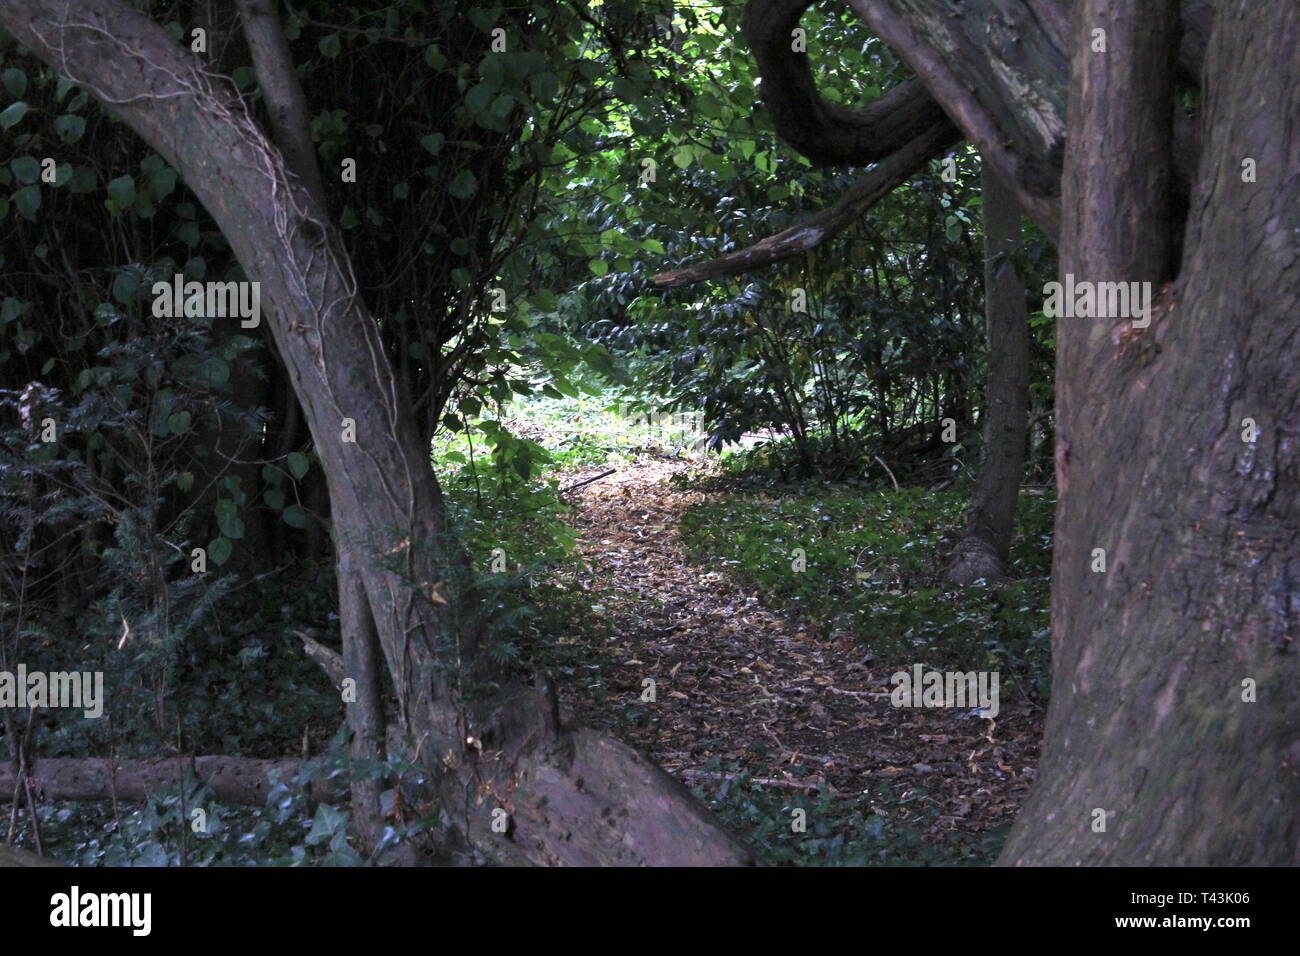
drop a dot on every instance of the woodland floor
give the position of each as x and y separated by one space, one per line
741 687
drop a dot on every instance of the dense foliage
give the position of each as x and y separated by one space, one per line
506 211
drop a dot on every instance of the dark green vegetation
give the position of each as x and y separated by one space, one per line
177 433
469 221
875 568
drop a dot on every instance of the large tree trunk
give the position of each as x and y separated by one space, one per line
1173 710
1174 706
983 552
570 796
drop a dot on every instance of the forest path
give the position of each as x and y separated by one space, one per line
751 686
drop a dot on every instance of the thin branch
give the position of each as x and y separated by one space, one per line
882 179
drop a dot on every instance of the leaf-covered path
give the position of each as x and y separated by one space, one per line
754 688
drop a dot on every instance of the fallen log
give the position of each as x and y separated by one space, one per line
240 780
13 856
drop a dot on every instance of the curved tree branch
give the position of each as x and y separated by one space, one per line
826 133
879 182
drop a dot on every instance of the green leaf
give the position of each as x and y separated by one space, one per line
545 86
185 481
162 183
15 81
295 517
228 520
434 57
122 191
598 266
433 142
10 309
69 127
12 114
463 185
27 200
125 286
298 464
219 550
330 46
26 168
214 370
179 422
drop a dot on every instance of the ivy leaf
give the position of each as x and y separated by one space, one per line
122 191
125 286
228 520
26 168
15 81
295 516
27 200
219 550
463 185
298 464
12 114
70 128
330 46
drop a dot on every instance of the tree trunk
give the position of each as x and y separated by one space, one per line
568 795
982 553
1173 711
1171 736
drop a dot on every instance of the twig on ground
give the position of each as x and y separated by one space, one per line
587 481
764 781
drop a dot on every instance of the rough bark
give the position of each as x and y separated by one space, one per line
366 712
1151 720
983 552
282 93
286 106
570 795
1000 71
